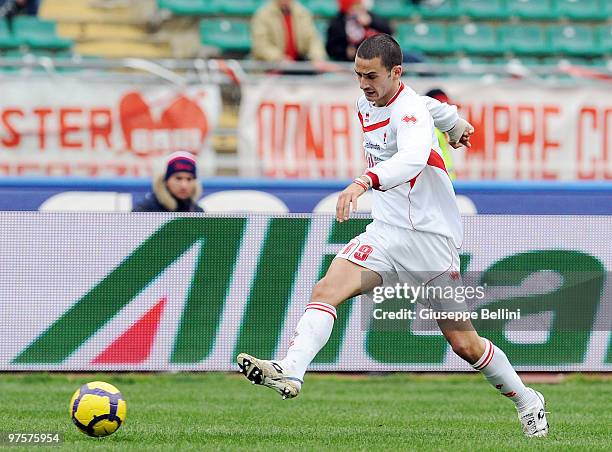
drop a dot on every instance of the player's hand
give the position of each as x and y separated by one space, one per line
460 134
347 197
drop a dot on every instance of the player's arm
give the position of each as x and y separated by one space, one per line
349 195
413 126
447 120
348 198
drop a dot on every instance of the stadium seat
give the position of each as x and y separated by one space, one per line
393 9
322 8
442 9
524 39
428 38
190 7
607 9
7 40
576 40
483 9
11 53
239 8
581 9
479 39
39 34
229 35
604 33
600 63
532 9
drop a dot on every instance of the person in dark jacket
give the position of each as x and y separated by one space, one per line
176 188
10 8
353 24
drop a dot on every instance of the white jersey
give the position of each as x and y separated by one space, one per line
411 186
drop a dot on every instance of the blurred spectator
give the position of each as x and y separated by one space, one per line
283 31
353 24
175 188
447 155
9 8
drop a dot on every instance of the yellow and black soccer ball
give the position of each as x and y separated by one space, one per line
98 409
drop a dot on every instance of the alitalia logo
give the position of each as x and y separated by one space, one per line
242 281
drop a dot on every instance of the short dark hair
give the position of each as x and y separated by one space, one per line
381 46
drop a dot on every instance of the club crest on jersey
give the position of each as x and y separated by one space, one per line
409 119
367 117
385 138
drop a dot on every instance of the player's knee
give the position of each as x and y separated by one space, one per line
325 292
322 291
465 349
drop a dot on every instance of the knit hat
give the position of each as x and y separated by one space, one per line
345 5
180 162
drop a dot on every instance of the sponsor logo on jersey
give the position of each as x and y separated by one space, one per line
409 119
369 145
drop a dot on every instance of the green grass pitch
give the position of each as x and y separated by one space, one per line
214 411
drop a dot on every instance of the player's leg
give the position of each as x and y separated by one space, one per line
493 363
343 280
431 251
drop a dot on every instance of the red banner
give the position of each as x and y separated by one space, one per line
77 128
523 131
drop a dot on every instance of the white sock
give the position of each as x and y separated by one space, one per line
496 368
311 334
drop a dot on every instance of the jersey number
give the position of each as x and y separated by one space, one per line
363 252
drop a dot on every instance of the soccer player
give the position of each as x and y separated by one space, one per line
416 230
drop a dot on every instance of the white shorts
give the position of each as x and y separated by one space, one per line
407 256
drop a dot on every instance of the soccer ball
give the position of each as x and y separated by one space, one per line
98 409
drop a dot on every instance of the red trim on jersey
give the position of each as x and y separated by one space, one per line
372 127
377 126
374 178
413 180
433 160
437 161
401 88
